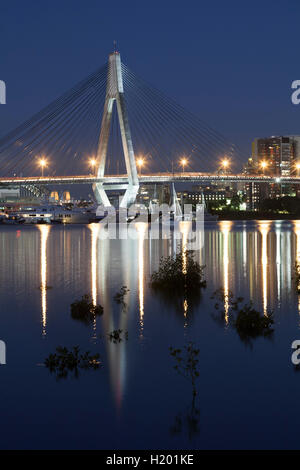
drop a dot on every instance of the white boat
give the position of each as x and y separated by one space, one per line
55 214
12 220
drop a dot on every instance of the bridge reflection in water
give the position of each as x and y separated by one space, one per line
254 259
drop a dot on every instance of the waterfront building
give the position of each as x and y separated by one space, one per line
9 194
199 195
157 193
279 153
274 156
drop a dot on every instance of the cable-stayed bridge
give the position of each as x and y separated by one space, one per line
114 118
116 180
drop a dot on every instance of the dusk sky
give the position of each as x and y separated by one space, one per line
232 63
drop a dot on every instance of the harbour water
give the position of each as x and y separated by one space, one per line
247 392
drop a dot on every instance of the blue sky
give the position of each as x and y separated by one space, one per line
230 62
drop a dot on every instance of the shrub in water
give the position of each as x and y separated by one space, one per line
116 336
297 277
64 361
84 310
180 274
119 297
187 363
248 322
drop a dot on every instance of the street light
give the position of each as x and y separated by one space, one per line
263 165
93 162
225 164
43 164
297 166
183 162
140 162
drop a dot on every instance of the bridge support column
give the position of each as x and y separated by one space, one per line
175 206
100 195
115 92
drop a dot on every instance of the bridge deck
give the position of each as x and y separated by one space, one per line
148 179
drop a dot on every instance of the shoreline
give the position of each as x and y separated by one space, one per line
258 216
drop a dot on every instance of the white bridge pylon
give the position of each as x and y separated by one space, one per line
115 93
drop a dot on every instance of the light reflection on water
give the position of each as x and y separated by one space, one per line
297 257
44 229
94 228
259 257
184 229
141 229
254 260
264 227
225 227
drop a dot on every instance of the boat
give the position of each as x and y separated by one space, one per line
11 219
53 214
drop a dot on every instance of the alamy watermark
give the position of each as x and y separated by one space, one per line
2 92
295 96
296 354
136 222
2 353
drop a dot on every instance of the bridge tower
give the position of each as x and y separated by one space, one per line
115 93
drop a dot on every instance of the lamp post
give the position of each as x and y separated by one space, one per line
225 164
183 163
43 164
140 162
263 165
93 162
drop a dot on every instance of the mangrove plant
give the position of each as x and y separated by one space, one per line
247 321
179 275
186 363
64 362
84 310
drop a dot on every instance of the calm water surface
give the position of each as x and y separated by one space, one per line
248 394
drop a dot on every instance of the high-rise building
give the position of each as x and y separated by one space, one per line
255 194
276 155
